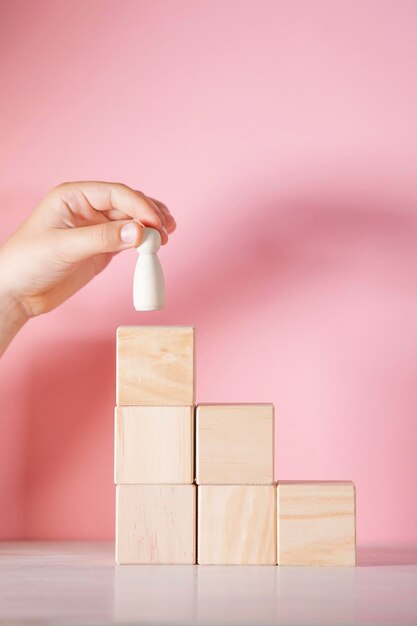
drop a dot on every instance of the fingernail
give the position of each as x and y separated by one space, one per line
129 233
164 230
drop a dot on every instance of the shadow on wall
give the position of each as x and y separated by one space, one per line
69 440
371 556
262 253
280 247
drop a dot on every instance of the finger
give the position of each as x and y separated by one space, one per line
157 208
164 236
115 214
103 196
77 244
162 206
164 230
170 220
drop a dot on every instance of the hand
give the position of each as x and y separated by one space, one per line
68 239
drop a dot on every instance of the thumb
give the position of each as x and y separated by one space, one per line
87 241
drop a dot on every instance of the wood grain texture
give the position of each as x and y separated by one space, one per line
154 445
316 523
156 524
155 365
235 444
236 525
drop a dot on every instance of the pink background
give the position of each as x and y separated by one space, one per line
283 135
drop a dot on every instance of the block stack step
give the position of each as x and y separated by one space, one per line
236 492
235 514
316 523
154 445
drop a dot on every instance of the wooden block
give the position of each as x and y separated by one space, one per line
156 524
316 523
155 365
236 525
154 445
235 444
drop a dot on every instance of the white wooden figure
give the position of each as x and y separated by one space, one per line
148 281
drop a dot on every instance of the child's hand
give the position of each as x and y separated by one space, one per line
71 237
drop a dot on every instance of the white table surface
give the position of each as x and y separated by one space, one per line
77 583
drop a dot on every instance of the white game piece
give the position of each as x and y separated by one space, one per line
148 281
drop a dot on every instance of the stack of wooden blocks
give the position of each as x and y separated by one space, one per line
196 485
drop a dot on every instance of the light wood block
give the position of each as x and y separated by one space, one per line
316 523
236 525
154 445
155 365
156 524
235 444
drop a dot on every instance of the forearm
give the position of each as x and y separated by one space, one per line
12 318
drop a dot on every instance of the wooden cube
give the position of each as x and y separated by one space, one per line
154 445
316 523
235 444
155 365
156 524
236 525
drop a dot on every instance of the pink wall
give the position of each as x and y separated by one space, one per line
283 135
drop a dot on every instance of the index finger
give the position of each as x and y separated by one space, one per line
104 196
